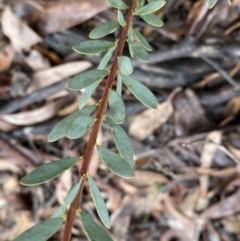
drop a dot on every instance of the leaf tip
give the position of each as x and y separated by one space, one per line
107 225
50 139
24 183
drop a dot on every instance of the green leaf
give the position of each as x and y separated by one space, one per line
115 163
93 46
140 3
122 142
117 107
125 65
106 58
93 231
104 29
140 52
87 93
152 19
48 171
41 231
119 84
150 8
87 110
130 41
119 4
141 92
121 19
130 34
79 127
142 40
86 78
131 50
74 125
99 203
68 200
212 3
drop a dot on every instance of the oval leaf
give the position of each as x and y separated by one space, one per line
99 203
48 171
212 3
130 34
142 40
150 8
140 3
79 126
125 65
140 52
119 4
141 92
130 41
87 93
93 231
115 163
117 107
106 58
62 127
119 84
122 142
93 46
104 29
86 78
131 50
41 231
152 19
68 200
121 19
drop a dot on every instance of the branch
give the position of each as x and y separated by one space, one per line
99 116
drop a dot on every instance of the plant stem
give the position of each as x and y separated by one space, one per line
95 129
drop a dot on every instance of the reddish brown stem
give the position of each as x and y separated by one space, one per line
99 116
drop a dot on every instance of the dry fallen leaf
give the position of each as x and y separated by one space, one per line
63 186
231 224
235 151
44 78
172 234
10 154
20 223
199 11
10 185
146 201
6 127
120 221
226 207
21 35
7 53
146 178
52 19
233 107
8 166
207 155
149 120
69 108
189 202
126 187
33 116
36 60
177 220
189 114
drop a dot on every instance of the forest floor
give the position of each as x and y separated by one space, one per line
187 170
